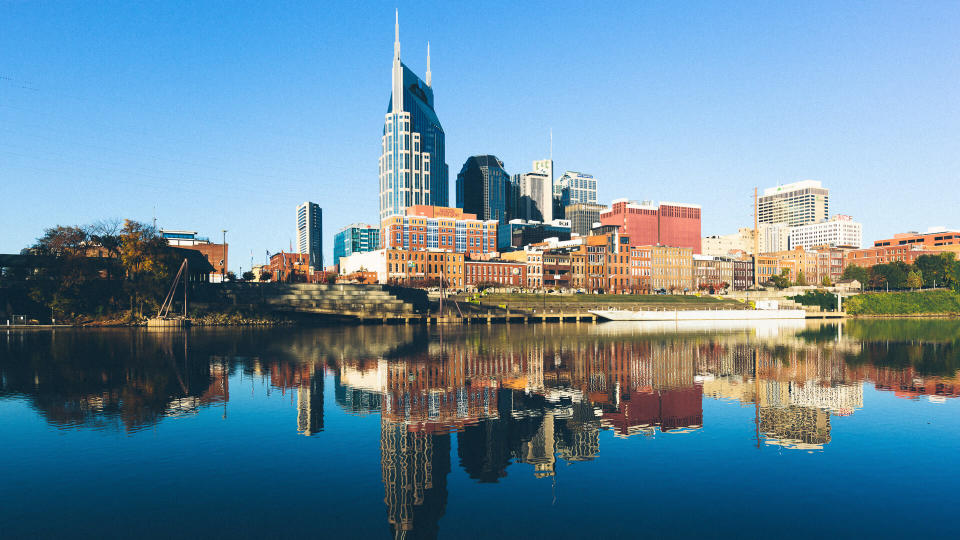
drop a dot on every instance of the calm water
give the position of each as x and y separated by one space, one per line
539 431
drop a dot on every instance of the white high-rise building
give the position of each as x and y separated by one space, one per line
544 166
839 231
794 204
310 233
576 188
773 237
536 196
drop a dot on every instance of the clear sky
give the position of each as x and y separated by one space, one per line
226 115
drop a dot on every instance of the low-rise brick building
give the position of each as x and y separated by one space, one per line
504 273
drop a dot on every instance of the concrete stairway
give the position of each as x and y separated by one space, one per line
341 299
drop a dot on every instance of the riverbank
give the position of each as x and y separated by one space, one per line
918 304
553 302
226 318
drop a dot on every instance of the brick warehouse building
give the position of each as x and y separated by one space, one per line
409 266
509 273
669 224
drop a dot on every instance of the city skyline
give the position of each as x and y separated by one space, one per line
173 119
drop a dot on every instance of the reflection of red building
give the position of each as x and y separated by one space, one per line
667 409
907 383
219 389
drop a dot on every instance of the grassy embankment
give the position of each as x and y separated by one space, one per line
583 302
936 303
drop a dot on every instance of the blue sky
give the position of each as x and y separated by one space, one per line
226 115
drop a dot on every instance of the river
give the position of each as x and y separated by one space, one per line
541 431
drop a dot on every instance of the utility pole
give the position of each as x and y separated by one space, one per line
756 240
223 265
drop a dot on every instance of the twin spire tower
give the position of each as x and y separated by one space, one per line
413 167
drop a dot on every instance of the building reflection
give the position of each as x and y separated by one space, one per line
530 398
414 466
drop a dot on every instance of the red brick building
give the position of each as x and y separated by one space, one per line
680 225
669 224
293 268
507 273
927 239
886 254
641 222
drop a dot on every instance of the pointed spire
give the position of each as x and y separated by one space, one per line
397 74
429 75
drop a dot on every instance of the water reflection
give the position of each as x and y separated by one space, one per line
529 397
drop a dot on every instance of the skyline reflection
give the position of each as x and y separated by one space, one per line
527 397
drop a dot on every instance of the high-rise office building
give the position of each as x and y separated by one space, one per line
576 188
582 216
534 197
310 234
794 204
483 188
544 166
355 238
413 169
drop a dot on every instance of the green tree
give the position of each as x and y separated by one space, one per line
858 273
893 275
826 281
915 279
801 278
146 262
781 281
265 275
248 276
935 269
955 276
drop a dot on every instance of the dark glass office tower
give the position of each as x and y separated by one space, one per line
485 189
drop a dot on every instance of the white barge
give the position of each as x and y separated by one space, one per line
700 314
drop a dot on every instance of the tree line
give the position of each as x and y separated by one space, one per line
104 269
926 272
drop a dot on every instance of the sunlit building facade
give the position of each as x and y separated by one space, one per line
413 169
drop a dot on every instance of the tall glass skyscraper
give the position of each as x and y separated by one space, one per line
413 168
485 189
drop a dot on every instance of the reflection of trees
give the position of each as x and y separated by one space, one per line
128 379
